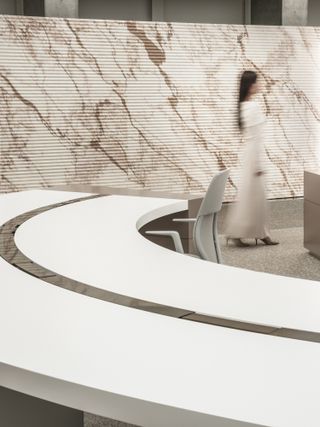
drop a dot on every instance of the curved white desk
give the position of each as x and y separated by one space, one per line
96 242
135 366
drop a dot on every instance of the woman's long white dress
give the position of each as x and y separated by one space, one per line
248 216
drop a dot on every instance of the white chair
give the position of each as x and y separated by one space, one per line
205 232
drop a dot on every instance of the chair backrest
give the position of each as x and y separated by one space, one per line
205 234
213 199
203 238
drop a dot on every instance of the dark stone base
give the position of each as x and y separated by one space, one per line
20 410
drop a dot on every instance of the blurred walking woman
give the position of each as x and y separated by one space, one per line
248 216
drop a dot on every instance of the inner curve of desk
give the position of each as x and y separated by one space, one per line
96 243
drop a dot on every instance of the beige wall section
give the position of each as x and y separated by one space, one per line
294 12
136 10
61 8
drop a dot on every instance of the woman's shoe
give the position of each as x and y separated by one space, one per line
268 241
237 242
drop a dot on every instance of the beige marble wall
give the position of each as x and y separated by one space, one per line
151 105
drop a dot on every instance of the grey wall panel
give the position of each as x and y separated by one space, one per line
206 11
151 105
266 12
61 8
314 12
33 7
295 12
7 7
137 10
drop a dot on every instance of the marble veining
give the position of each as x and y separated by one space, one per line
148 105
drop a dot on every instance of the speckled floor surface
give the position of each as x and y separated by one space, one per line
289 258
95 421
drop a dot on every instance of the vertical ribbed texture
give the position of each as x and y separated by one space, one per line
151 105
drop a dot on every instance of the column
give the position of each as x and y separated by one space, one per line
61 8
294 12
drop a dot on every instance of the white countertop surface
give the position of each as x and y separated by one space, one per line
135 366
96 242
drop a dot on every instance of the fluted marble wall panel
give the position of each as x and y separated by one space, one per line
151 105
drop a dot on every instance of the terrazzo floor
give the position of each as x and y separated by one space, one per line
289 258
91 420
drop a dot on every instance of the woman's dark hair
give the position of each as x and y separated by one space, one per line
248 78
